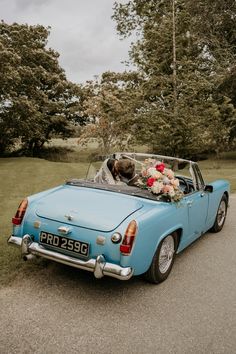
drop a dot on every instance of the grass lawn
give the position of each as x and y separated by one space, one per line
213 169
20 177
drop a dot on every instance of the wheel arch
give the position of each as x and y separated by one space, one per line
227 196
155 235
151 274
179 233
177 230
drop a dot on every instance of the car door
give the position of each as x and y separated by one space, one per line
197 203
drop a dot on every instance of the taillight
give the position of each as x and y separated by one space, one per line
128 241
17 220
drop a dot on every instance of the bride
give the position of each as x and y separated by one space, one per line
115 171
107 173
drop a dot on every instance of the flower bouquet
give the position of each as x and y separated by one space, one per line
160 180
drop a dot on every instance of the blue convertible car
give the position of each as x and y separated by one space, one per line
118 229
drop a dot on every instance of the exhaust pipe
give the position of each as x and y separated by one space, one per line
28 257
26 242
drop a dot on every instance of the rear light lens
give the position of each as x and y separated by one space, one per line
17 220
128 241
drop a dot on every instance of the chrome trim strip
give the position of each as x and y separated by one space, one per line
98 266
26 242
39 250
115 271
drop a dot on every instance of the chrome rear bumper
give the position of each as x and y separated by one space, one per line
98 266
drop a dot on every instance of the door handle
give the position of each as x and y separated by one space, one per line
189 203
202 194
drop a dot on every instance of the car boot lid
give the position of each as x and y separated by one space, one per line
89 208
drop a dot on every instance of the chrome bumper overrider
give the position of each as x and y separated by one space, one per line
98 266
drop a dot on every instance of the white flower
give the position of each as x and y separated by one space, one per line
151 172
166 180
156 187
171 192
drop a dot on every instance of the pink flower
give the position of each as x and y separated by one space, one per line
160 167
166 189
150 181
170 174
175 182
144 173
158 175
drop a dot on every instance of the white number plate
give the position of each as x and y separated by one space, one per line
64 243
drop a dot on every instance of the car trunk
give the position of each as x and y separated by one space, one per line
88 208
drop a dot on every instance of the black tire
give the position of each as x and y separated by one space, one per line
156 272
220 215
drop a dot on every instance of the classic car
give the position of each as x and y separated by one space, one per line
120 230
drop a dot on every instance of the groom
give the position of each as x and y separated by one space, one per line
125 169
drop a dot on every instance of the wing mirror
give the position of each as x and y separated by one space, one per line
208 188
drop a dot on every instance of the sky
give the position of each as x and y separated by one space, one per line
82 32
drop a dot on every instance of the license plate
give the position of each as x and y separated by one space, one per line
64 243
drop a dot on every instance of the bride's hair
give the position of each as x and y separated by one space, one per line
112 168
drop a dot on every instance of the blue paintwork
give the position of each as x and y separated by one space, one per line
98 212
93 209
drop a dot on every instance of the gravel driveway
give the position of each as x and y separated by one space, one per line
65 310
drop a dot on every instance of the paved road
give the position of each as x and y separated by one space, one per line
69 311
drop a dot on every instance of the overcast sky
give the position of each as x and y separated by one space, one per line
82 31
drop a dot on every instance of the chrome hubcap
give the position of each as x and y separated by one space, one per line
166 254
221 213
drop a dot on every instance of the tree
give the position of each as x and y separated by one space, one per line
182 65
36 100
227 90
110 104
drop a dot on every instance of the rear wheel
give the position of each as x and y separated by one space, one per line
163 260
221 215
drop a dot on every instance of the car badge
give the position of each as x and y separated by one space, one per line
69 217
